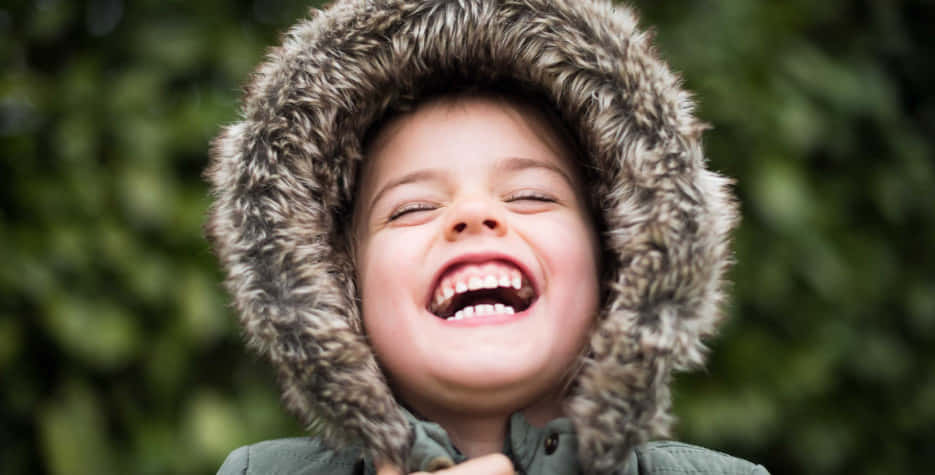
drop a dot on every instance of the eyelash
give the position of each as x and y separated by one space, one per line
411 208
530 195
518 196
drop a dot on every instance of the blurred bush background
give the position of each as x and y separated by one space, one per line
119 354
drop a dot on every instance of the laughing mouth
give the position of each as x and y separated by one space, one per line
492 288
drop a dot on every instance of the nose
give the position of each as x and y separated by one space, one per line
474 216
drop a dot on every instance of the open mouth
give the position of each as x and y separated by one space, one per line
492 288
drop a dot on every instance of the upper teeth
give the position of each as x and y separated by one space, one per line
446 292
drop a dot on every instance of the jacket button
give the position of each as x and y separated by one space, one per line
551 443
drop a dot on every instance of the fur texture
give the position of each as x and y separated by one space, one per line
283 181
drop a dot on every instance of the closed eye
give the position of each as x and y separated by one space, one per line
410 209
531 201
527 195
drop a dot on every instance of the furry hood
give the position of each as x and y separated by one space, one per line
283 181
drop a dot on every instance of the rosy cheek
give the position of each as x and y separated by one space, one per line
387 277
574 253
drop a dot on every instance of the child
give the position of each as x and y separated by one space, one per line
474 237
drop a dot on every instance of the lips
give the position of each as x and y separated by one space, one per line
481 285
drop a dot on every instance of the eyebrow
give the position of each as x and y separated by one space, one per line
428 174
515 164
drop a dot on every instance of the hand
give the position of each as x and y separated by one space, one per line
493 464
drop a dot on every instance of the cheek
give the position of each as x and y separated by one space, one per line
578 282
570 247
380 274
569 250
380 297
389 279
387 259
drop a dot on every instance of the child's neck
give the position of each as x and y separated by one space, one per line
476 435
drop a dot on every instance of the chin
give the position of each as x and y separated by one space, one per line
494 384
485 397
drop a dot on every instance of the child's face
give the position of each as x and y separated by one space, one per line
459 194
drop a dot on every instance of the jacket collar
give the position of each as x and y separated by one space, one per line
552 448
549 449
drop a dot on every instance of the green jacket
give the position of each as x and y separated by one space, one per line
552 449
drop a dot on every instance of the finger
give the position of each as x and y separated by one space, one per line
493 464
388 469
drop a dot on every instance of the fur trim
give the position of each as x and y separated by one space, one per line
283 181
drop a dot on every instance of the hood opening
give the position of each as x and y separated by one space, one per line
283 179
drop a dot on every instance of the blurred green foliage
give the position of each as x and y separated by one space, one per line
118 353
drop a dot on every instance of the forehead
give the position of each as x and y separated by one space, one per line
454 130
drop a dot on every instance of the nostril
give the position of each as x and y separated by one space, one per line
460 227
490 223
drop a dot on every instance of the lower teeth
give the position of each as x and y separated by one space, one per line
482 309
